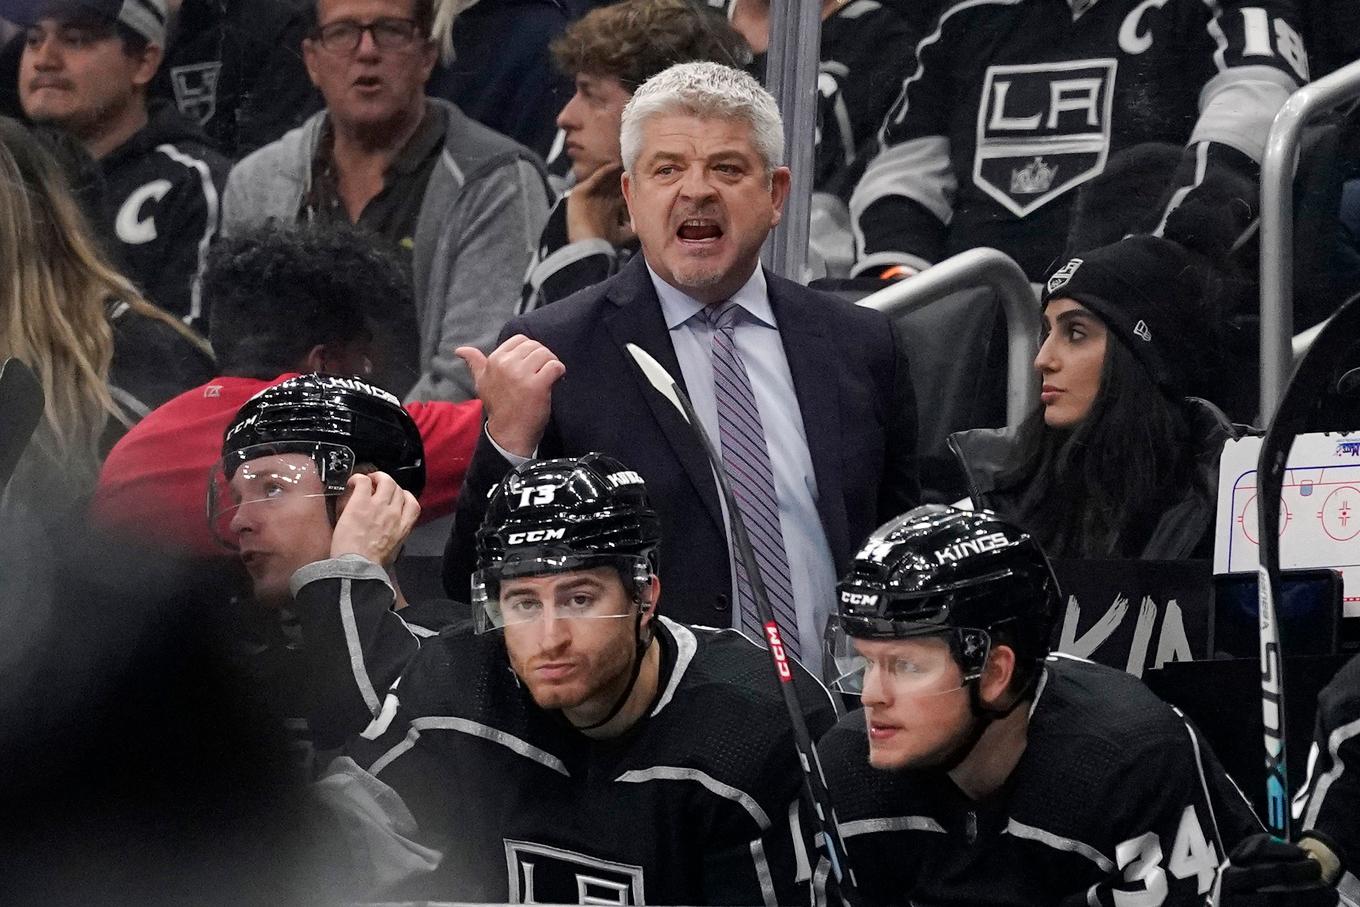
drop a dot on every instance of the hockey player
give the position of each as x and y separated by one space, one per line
581 748
1014 103
981 772
86 67
317 490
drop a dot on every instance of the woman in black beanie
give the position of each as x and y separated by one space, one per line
1118 462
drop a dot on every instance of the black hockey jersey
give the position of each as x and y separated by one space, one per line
560 268
1015 103
1328 805
865 53
474 793
1116 800
161 210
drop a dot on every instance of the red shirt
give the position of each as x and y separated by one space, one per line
154 484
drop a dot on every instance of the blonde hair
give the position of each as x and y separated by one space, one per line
54 285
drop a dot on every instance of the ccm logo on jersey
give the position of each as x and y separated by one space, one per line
540 874
536 535
989 542
1042 129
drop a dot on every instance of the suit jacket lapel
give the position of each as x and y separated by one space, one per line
804 331
637 319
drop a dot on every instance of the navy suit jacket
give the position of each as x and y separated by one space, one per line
854 392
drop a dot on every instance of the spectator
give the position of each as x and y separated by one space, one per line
459 204
1014 103
285 302
236 70
495 65
608 54
85 68
701 146
57 299
1119 462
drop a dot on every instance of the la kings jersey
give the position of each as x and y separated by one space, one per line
1013 104
1328 805
471 792
1115 801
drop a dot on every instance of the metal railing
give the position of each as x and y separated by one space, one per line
1277 225
791 73
974 269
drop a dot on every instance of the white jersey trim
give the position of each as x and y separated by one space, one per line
894 823
677 773
1058 842
1335 739
686 645
212 214
762 866
509 741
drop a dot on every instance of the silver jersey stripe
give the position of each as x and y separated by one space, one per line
726 791
356 651
391 755
893 823
763 874
685 645
211 214
1325 781
1058 842
509 741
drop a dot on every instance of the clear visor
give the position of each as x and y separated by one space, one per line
524 589
923 660
273 476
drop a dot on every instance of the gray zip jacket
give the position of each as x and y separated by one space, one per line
478 228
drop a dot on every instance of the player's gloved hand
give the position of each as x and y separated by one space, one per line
1262 870
375 517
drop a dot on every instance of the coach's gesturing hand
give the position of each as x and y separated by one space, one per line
515 386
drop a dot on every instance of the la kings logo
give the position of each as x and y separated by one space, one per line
1042 129
540 874
196 90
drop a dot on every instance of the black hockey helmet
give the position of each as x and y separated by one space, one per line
551 516
967 574
338 422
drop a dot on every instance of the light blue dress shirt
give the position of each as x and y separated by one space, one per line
757 338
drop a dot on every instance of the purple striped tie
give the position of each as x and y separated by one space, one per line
747 459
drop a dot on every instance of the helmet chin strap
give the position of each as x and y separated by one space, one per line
639 652
982 717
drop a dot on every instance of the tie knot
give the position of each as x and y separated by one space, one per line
722 316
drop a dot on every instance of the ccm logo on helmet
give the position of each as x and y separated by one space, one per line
859 598
536 535
989 542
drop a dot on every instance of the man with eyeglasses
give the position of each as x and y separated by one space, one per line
984 771
85 69
579 747
460 204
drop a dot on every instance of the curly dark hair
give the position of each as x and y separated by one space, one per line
275 293
636 39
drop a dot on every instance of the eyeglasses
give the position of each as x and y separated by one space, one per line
343 37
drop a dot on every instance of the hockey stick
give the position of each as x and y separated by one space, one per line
813 778
1306 388
21 407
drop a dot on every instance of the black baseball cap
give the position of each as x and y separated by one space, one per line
145 17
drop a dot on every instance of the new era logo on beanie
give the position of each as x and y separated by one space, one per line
1149 293
145 17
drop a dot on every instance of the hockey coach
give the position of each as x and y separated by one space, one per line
576 746
984 771
810 397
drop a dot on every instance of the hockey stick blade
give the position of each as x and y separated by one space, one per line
21 408
813 777
1306 387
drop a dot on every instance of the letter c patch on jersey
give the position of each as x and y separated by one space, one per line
540 874
1042 129
131 227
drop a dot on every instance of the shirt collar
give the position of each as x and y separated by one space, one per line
422 143
677 307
